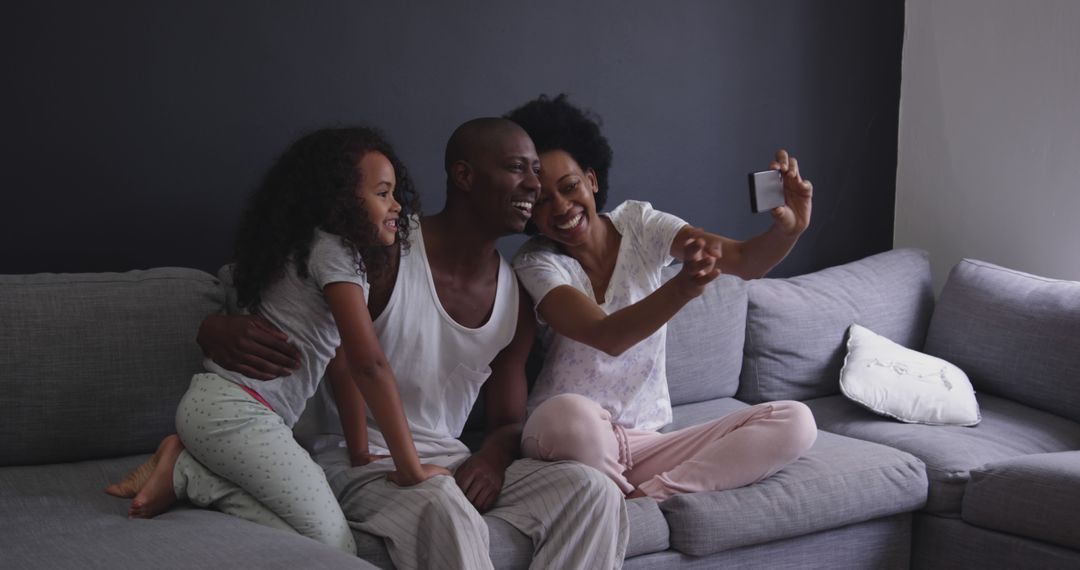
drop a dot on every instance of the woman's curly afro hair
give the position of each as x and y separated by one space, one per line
313 185
556 124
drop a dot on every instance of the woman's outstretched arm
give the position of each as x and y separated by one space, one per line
573 314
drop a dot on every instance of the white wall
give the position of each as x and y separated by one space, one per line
989 143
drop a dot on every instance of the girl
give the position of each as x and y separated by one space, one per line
596 281
314 231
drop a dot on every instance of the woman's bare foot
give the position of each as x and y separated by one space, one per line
135 480
157 494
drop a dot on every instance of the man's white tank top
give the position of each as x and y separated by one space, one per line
439 364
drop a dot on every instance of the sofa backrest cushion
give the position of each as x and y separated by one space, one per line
1016 335
795 327
705 342
94 364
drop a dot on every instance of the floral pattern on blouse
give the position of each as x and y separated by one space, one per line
632 386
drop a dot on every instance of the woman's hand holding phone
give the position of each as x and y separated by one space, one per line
794 216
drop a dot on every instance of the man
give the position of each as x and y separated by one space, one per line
452 318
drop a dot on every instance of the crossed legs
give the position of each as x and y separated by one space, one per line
738 449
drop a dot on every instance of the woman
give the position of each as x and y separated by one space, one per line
595 279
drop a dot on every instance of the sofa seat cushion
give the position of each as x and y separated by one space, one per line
840 481
1037 496
1008 430
57 516
880 544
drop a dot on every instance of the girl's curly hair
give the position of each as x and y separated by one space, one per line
556 124
313 185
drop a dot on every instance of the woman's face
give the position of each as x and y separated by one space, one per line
566 207
376 193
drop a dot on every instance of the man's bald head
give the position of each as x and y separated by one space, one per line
478 137
492 175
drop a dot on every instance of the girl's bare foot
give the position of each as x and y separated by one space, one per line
135 480
157 494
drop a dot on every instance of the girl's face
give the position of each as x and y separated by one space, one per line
376 194
566 207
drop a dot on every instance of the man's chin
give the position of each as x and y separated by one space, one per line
517 228
515 225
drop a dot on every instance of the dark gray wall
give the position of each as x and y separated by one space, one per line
132 131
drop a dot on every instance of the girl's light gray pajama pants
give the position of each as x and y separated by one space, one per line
241 459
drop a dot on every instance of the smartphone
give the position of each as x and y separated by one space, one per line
766 190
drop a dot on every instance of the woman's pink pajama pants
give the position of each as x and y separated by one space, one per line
738 449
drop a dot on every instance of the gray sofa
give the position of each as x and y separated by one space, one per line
94 364
1007 492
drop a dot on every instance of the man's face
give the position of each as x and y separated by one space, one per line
505 181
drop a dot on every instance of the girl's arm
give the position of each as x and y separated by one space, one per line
350 405
572 314
754 257
369 369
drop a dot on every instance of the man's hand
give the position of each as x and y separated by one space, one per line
481 478
249 345
794 216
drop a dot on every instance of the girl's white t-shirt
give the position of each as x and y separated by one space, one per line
632 386
297 307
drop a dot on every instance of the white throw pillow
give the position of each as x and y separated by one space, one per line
904 384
